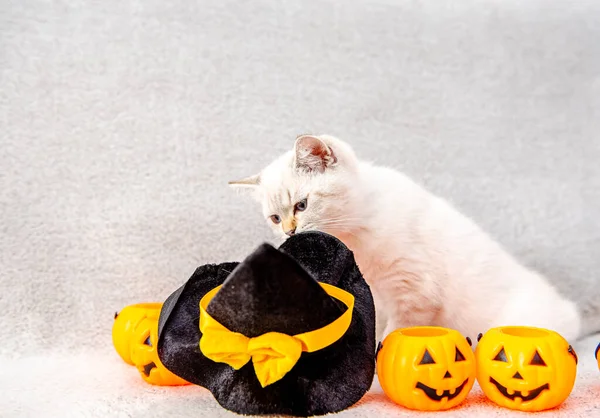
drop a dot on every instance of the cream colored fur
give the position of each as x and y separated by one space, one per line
426 263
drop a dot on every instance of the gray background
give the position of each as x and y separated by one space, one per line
122 121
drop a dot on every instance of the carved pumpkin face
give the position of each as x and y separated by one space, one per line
525 368
426 368
135 332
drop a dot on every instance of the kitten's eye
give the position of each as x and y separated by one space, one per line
300 206
275 219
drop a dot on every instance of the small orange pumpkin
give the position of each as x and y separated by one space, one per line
597 354
135 333
525 368
426 368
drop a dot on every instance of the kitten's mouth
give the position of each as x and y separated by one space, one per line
518 394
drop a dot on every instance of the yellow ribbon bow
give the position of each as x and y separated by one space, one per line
273 354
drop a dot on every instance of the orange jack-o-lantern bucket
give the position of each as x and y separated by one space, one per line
525 368
426 368
135 333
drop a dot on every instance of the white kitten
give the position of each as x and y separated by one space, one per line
426 263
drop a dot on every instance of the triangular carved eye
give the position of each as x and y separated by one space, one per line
501 356
427 359
537 360
459 356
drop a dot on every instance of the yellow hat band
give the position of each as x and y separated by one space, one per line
273 354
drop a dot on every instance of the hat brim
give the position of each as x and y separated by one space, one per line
325 381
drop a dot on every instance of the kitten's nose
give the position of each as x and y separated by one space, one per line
290 232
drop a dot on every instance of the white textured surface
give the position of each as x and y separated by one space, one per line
121 122
96 383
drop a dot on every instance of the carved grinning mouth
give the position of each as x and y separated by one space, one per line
432 393
532 394
148 368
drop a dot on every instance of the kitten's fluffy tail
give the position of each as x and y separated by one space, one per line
590 317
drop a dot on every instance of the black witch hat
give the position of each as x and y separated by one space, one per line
287 331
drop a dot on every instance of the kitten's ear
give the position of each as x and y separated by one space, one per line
312 154
251 182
